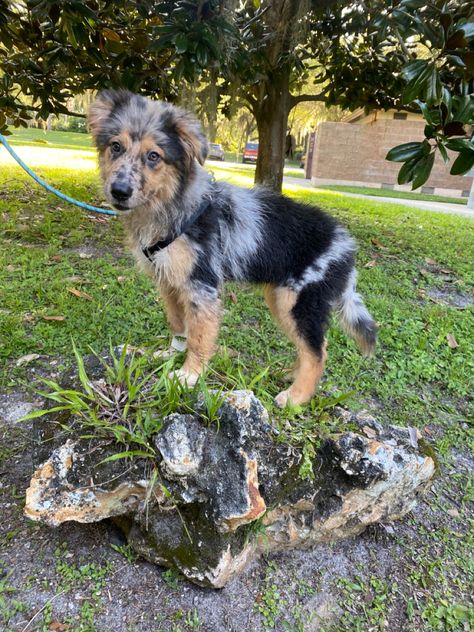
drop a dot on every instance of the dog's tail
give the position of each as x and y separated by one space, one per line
355 318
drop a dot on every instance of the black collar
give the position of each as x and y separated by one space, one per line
159 245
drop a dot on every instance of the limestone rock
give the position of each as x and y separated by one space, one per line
223 493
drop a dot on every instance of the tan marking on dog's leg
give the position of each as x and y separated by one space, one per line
309 366
269 293
174 310
307 377
202 324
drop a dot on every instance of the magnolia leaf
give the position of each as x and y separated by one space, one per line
79 293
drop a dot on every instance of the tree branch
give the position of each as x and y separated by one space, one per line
62 111
295 99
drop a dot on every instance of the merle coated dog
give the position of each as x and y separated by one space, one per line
192 234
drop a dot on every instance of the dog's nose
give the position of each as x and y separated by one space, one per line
121 191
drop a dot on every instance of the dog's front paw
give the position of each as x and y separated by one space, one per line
186 378
293 397
283 398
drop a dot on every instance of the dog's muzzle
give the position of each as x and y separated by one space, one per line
121 192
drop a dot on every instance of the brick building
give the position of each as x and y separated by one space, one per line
353 153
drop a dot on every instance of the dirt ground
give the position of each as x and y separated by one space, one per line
411 575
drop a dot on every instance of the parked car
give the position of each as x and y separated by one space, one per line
250 152
216 152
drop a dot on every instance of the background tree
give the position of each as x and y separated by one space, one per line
372 54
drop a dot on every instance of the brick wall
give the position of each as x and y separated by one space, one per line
351 152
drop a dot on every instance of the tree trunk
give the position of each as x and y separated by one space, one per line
271 115
211 109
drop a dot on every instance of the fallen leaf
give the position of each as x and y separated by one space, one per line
430 262
453 512
11 268
58 318
26 359
371 264
99 220
452 342
232 296
121 279
376 242
60 627
56 258
79 293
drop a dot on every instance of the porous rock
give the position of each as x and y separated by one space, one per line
223 493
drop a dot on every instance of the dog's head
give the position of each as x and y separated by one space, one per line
147 149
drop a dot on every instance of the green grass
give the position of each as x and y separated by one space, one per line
403 195
39 138
48 248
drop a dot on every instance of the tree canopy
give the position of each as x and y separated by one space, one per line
260 53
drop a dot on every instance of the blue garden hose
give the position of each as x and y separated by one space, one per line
48 187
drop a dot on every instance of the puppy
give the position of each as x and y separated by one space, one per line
192 234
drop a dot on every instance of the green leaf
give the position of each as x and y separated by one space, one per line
125 455
412 4
460 144
464 111
414 69
430 131
448 103
433 90
463 163
444 153
82 371
455 60
404 152
422 170
41 413
181 43
406 172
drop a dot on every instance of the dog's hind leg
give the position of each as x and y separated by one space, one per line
202 326
304 324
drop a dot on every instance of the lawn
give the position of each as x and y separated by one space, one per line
64 275
402 195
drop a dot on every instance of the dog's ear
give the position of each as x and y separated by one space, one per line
192 137
100 111
106 101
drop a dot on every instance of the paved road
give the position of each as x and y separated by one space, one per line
437 207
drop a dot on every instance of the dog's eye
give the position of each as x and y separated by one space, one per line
154 156
115 147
